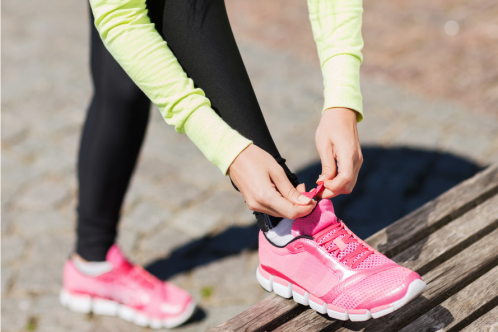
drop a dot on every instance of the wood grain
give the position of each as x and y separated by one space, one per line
485 323
451 239
462 308
425 252
423 256
444 281
436 213
309 321
264 316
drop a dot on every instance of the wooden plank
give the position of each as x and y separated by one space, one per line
264 316
391 241
436 213
311 321
462 308
486 323
451 239
442 282
424 255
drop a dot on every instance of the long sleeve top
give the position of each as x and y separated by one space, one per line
133 41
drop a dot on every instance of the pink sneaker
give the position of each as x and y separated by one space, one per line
330 269
127 291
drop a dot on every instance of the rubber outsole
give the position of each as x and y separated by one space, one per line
83 303
286 289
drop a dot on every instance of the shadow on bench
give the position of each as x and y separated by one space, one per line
391 184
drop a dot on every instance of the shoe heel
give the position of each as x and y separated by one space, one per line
266 283
271 283
282 287
81 303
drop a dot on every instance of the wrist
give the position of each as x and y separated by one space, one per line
236 160
341 112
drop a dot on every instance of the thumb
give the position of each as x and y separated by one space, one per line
287 190
329 168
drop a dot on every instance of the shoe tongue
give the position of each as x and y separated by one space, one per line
322 216
116 258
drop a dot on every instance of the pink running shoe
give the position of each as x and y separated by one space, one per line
330 269
127 291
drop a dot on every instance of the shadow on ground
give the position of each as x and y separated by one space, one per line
391 183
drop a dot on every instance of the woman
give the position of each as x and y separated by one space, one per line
180 53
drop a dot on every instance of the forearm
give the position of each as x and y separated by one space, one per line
132 39
336 26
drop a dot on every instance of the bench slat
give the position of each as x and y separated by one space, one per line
484 323
436 213
426 254
391 241
462 308
442 282
308 321
451 239
264 316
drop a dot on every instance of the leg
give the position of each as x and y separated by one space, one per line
199 33
111 140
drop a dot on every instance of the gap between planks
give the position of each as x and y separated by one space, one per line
486 323
444 281
433 215
462 308
391 240
265 316
424 255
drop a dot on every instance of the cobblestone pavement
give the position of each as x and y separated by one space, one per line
437 48
182 219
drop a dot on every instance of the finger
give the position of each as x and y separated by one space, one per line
329 169
301 188
325 193
346 173
284 208
286 188
339 185
335 188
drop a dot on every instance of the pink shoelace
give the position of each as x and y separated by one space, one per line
142 277
334 247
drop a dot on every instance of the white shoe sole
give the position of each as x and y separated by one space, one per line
285 289
85 304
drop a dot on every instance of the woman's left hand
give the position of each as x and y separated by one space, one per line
337 140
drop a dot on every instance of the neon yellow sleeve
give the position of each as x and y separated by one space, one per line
336 26
132 39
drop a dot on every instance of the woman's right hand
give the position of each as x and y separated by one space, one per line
265 187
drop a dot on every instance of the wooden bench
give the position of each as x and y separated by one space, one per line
452 242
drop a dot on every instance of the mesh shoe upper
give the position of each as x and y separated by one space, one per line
335 265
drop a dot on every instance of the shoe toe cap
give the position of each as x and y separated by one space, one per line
392 292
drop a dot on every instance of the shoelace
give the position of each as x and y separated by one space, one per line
142 277
328 239
333 248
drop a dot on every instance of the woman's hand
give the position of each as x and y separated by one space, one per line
265 187
337 139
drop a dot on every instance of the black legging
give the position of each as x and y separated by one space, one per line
199 34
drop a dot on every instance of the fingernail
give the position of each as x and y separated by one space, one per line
303 199
321 178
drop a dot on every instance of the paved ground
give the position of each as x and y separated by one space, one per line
436 48
200 237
